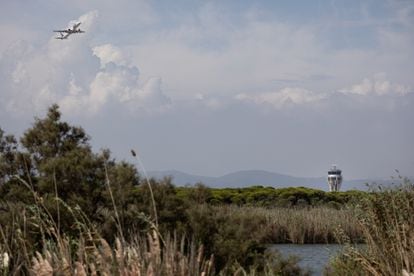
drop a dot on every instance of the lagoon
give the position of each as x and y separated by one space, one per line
312 256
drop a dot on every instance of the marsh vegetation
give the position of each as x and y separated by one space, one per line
387 223
67 210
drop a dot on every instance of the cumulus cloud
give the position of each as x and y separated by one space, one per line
215 56
289 96
120 84
116 84
110 53
385 91
377 85
83 79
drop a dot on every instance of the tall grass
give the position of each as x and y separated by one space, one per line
387 221
140 257
313 225
299 225
33 244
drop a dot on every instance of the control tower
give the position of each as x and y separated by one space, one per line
334 179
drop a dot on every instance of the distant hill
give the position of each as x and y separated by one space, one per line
181 178
247 178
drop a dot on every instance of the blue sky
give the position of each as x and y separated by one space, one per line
211 87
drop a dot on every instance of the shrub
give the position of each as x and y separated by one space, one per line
386 218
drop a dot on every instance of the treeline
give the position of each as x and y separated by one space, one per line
269 196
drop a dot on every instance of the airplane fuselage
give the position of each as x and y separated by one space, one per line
68 31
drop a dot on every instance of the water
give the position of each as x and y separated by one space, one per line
312 256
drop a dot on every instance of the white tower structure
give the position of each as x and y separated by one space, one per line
334 179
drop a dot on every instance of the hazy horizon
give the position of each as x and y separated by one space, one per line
214 87
390 177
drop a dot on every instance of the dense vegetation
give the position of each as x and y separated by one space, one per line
387 221
65 209
270 197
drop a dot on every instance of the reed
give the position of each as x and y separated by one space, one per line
298 225
387 221
140 257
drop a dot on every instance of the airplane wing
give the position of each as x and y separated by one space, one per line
63 36
60 31
76 26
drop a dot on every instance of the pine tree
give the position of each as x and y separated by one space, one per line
55 158
63 160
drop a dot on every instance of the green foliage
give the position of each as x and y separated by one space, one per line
171 209
8 149
50 138
198 194
281 197
62 161
230 236
54 159
386 218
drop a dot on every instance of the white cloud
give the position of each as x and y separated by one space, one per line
289 96
211 53
386 93
377 85
110 53
216 60
213 56
234 59
117 85
75 100
82 78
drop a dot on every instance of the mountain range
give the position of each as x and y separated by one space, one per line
248 178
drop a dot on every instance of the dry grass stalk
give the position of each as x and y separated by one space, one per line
136 258
41 266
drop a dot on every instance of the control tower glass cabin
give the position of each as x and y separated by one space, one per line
334 179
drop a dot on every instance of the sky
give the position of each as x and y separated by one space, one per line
213 87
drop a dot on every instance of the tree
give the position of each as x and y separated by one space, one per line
63 161
13 164
55 158
8 147
50 138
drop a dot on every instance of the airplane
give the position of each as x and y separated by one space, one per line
64 34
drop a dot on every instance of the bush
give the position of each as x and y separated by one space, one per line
387 221
230 235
